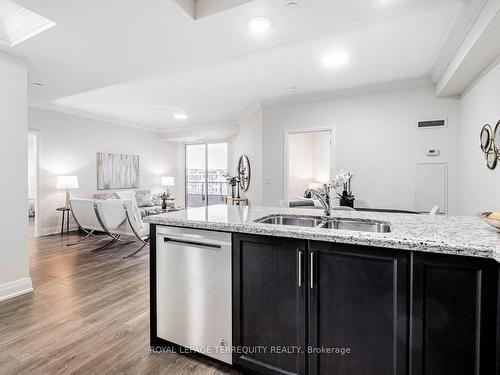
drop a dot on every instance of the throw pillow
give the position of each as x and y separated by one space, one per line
144 200
156 199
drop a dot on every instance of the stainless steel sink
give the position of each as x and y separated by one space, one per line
292 220
315 222
362 226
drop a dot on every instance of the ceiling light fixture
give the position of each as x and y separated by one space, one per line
335 59
259 25
180 116
18 24
293 5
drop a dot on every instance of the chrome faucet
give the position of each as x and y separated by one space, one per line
323 197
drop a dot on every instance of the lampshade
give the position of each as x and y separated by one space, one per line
167 181
315 185
67 182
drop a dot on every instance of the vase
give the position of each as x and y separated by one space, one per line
232 191
346 200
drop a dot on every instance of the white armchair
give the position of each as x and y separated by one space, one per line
115 217
121 217
83 213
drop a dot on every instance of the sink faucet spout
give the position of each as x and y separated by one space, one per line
323 197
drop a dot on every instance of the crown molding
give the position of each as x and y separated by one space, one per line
94 116
349 92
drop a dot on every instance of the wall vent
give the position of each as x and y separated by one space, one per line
431 124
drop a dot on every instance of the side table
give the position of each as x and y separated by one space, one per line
65 218
237 201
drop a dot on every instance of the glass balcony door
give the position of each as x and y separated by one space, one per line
206 167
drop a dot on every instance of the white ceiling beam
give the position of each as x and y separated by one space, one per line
198 9
202 133
480 48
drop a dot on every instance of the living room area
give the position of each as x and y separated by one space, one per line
70 145
84 158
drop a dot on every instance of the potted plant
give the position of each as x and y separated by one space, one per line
233 181
342 180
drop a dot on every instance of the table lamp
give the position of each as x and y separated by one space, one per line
67 183
315 185
166 181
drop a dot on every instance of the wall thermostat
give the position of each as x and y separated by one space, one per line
433 152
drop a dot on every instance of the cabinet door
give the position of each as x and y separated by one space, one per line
269 304
357 310
453 316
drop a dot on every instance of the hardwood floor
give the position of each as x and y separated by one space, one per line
89 314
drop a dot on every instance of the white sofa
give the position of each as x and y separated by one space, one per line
147 202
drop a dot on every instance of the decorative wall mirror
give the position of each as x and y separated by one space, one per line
491 159
485 137
489 141
496 139
244 172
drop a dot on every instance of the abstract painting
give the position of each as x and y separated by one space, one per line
117 171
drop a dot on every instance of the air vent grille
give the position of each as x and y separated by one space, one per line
429 124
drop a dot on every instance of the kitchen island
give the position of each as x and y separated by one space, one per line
421 298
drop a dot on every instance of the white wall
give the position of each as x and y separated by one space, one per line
68 145
479 186
249 142
31 166
375 138
14 259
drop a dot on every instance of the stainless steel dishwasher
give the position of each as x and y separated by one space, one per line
193 286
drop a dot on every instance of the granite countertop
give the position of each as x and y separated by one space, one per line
458 235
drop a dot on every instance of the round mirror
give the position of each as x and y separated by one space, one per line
244 172
485 137
495 139
491 158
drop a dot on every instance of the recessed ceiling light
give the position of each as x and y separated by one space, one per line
293 5
293 90
335 59
180 116
259 24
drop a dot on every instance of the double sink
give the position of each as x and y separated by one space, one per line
320 222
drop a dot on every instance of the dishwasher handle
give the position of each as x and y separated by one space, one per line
191 243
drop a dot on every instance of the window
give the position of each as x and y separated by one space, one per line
206 167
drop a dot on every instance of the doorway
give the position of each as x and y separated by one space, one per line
32 184
308 161
206 170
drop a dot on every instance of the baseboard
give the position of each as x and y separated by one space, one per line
15 288
55 230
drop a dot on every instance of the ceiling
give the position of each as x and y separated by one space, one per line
140 62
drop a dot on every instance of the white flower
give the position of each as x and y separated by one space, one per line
341 178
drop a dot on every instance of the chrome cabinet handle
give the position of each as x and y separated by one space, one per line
312 270
300 268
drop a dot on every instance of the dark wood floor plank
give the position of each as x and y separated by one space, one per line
89 314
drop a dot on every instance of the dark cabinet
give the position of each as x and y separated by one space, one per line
358 304
362 310
269 304
454 315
